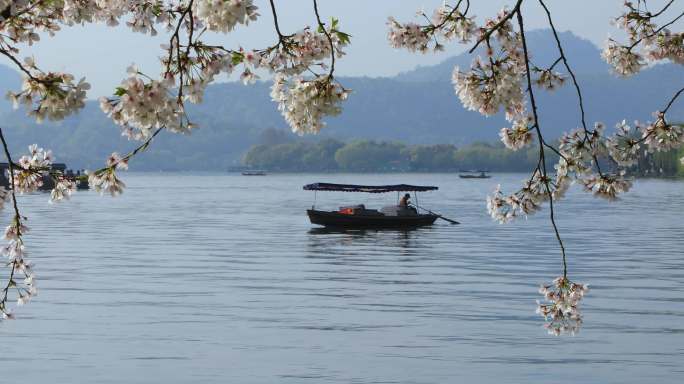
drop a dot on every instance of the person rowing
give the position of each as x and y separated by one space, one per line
405 201
405 204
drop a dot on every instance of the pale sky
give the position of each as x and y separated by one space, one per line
101 53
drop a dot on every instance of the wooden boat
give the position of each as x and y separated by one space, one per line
253 173
359 217
474 175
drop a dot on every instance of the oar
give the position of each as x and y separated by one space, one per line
438 215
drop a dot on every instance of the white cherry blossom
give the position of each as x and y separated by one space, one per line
624 61
224 15
305 102
518 136
560 307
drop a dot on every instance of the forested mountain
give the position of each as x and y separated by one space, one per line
417 107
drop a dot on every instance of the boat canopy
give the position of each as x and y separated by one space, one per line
368 188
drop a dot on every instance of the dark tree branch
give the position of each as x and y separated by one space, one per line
17 217
275 21
672 100
542 157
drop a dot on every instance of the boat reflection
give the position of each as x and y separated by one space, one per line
339 242
359 232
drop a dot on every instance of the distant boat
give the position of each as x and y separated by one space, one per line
254 173
359 217
474 175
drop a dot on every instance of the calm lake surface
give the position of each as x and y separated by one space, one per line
218 278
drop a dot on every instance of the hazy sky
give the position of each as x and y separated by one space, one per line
102 53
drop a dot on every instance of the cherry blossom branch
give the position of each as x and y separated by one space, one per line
654 33
124 160
488 32
16 223
672 100
432 27
660 118
542 157
18 64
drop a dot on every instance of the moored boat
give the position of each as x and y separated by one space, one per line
254 173
358 216
474 175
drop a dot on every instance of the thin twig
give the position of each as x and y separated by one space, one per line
327 34
574 82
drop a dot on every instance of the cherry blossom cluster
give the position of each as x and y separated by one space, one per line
304 102
646 41
49 95
28 17
224 15
300 51
293 54
56 95
518 136
661 135
447 23
495 82
549 79
491 85
63 189
560 307
524 202
411 36
105 180
606 186
30 169
623 147
141 106
623 60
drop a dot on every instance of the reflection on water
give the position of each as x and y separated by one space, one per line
222 279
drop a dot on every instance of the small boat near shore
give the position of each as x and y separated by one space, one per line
254 173
360 217
474 175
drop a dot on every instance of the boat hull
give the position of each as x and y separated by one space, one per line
340 220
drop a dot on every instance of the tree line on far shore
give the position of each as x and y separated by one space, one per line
381 156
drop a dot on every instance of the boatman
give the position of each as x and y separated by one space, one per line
405 201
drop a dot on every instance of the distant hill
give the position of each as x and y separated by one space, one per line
416 107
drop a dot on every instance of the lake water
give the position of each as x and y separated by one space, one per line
217 278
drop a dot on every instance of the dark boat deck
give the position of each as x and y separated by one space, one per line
343 220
